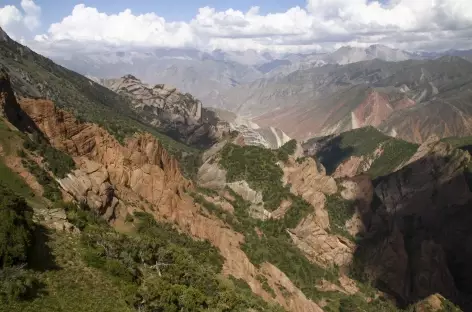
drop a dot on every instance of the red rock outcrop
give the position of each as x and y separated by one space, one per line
144 174
376 108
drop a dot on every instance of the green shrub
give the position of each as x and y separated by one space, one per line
50 186
14 182
258 166
339 211
57 162
16 228
15 283
164 270
286 150
363 142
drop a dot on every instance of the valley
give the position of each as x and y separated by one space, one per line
332 182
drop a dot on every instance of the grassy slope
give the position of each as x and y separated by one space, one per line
363 142
74 273
85 99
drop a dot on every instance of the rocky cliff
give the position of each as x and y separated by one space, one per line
163 106
413 243
183 117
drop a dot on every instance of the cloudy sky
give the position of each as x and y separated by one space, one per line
288 26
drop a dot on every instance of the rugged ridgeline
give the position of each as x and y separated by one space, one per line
183 117
391 96
280 227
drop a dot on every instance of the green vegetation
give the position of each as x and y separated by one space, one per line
286 150
448 306
16 227
14 182
163 269
273 244
363 142
258 166
16 236
154 269
355 303
339 211
395 153
57 162
459 142
50 186
8 138
265 285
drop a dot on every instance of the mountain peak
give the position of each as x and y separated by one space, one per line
3 35
130 77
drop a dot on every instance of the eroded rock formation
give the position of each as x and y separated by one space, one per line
417 228
118 179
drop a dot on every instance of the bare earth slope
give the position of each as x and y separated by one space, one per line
334 98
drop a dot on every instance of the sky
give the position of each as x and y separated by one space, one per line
67 26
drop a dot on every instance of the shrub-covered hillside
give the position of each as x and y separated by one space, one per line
331 151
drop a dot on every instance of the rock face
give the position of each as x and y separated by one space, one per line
268 137
142 167
394 97
183 117
416 232
158 100
309 180
163 106
357 164
91 185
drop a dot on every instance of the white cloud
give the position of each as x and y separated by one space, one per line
322 24
18 23
32 14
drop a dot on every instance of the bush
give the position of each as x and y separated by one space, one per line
286 150
164 270
16 228
339 211
50 186
15 283
57 162
258 166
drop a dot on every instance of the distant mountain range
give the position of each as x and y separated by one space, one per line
207 74
410 99
407 94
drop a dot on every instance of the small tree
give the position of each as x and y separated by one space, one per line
16 228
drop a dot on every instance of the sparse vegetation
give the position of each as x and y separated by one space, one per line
339 211
258 166
16 239
363 142
50 186
57 162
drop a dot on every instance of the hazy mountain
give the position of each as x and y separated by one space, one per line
207 75
192 71
432 96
